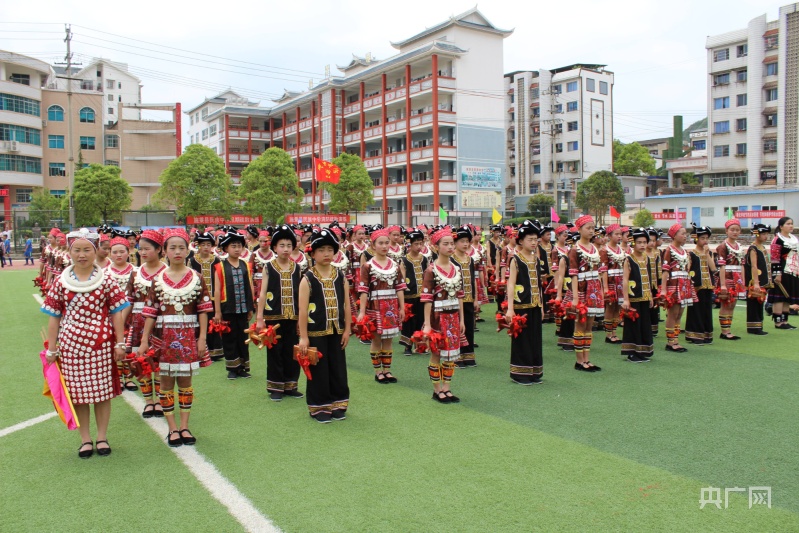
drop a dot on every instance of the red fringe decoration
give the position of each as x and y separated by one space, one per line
667 301
610 296
518 323
421 344
143 365
222 327
266 337
408 312
432 341
305 363
760 296
630 313
365 329
502 322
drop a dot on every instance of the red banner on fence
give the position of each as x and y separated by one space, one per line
668 216
3 192
218 221
760 214
311 218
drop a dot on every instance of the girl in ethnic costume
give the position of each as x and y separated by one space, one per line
203 262
85 321
150 245
103 251
785 272
639 278
278 305
463 260
699 318
298 255
559 259
586 270
614 256
396 247
731 257
324 324
382 289
120 271
415 265
653 252
177 304
480 267
442 294
526 352
676 286
259 258
757 275
547 272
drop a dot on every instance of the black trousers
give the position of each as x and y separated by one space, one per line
467 352
526 350
328 391
754 315
699 318
282 371
237 352
414 324
637 336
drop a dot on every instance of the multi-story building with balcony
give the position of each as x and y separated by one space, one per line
427 122
559 130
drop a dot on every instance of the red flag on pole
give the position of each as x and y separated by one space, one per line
614 213
326 171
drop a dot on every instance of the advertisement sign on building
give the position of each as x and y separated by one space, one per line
481 178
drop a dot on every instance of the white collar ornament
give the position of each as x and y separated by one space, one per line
71 283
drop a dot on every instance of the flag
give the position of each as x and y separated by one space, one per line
326 171
442 215
553 215
614 213
496 217
677 214
729 213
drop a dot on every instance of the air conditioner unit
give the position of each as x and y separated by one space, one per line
13 146
44 123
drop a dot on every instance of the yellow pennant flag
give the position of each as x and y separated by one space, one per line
496 217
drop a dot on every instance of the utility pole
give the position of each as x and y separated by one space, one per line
70 146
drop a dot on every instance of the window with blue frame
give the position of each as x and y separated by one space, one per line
87 143
58 169
721 127
87 115
55 141
571 106
571 86
55 113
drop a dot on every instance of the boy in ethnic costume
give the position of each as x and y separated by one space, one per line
785 272
464 261
442 295
233 303
639 278
731 257
585 270
324 323
382 289
258 261
614 256
414 264
203 262
526 353
177 305
699 317
85 308
278 305
547 271
757 275
653 252
676 286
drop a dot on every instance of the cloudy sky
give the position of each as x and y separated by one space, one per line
185 51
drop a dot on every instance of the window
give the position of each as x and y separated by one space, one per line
55 113
572 126
119 85
771 69
536 111
721 150
772 42
771 120
109 84
558 108
537 169
721 79
740 124
603 87
740 75
110 110
740 100
558 128
590 84
742 50
707 211
87 115
571 86
699 145
196 117
769 145
205 112
19 104
769 208
99 73
191 120
58 169
55 141
557 89
559 167
11 132
86 143
721 55
721 103
740 149
20 163
24 195
534 93
771 94
58 193
212 130
571 106
205 133
22 79
573 146
111 162
112 141
721 127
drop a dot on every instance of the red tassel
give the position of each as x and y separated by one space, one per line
365 329
222 327
502 322
408 312
421 343
305 364
611 296
630 313
518 323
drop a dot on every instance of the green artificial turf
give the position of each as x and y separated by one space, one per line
628 448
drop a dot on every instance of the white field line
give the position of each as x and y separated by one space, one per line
38 298
26 424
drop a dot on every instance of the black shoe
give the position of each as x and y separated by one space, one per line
408 351
635 359
617 341
460 364
158 412
440 397
580 367
536 381
322 418
293 394
132 387
521 381
339 414
380 378
276 396
188 441
452 397
243 374
593 368
389 377
758 332
368 343
730 337
670 348
787 326
85 454
232 374
476 345
149 411
176 442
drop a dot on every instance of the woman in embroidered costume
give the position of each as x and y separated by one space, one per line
731 256
150 246
653 252
785 272
177 304
85 321
120 271
442 294
258 260
324 324
203 262
614 256
675 286
586 270
526 353
639 279
699 317
381 289
757 275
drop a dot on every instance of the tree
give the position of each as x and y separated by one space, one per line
196 183
643 219
45 208
100 194
539 206
632 160
354 191
600 191
269 186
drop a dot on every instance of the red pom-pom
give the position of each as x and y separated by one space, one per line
518 323
365 329
408 312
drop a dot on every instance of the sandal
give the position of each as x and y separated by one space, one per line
188 441
389 377
103 451
158 411
149 411
381 378
440 397
132 387
592 367
174 443
85 454
452 397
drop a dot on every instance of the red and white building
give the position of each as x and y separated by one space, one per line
428 123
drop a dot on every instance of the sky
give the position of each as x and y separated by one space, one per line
186 51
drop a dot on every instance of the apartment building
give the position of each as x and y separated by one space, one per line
427 122
559 130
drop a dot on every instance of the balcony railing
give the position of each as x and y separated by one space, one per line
417 86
